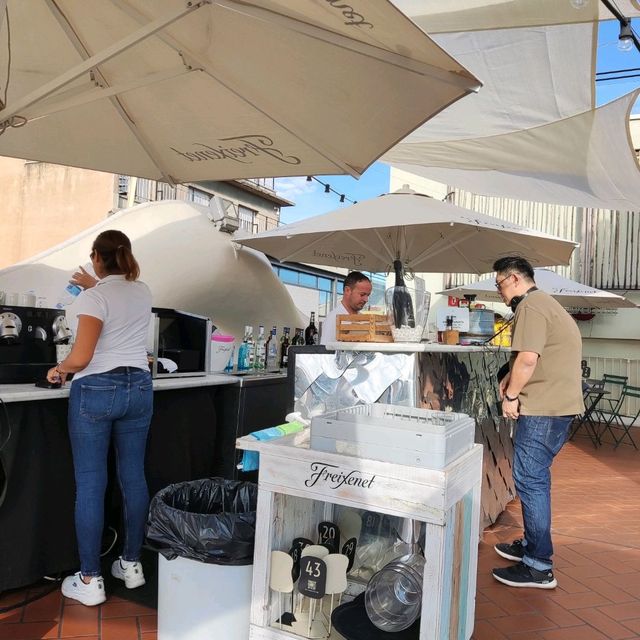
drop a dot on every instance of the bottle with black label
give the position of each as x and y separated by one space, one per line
284 348
311 333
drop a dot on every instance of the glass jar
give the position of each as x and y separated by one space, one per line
393 598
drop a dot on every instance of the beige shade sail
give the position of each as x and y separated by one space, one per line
436 16
568 293
426 234
585 160
537 63
216 89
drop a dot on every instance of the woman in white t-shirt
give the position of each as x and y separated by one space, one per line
111 398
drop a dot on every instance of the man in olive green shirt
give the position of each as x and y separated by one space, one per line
543 392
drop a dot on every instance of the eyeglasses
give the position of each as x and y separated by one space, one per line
499 283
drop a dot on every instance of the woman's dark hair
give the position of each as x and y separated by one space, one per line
114 249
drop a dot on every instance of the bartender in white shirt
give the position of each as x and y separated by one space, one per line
356 292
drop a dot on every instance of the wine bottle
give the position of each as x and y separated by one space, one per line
284 348
403 315
311 333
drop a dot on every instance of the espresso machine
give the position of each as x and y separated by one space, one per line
28 339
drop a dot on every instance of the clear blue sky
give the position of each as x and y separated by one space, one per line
311 199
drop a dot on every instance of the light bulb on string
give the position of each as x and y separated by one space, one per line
625 38
327 188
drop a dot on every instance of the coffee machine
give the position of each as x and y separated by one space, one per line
28 339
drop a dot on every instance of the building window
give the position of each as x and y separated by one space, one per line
247 218
288 276
165 191
308 280
123 185
145 190
199 197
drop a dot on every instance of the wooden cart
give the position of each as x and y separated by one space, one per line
298 486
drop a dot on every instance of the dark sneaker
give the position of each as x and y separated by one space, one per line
521 575
513 551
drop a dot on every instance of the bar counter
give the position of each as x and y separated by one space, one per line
454 378
195 423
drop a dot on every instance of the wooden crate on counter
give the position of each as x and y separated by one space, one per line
362 327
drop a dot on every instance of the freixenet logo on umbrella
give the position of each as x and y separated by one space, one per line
248 147
352 17
352 259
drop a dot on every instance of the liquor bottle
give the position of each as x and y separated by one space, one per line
311 333
260 355
271 359
297 338
243 350
252 348
403 315
284 348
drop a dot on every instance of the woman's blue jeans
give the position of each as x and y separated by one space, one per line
101 407
538 440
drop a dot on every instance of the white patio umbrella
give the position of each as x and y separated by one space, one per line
216 89
567 292
426 234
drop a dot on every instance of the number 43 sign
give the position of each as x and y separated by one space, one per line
313 577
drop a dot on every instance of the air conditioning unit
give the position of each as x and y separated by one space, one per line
224 214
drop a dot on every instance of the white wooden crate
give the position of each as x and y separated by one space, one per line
404 435
297 483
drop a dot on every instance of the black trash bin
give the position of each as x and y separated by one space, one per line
204 533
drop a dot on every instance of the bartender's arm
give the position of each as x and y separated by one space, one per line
83 279
89 329
521 371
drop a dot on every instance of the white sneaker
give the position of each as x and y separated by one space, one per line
89 594
130 572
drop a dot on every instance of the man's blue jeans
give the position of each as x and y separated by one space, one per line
538 440
103 406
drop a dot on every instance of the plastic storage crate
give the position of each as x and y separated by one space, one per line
404 435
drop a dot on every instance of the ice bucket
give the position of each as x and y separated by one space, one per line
407 311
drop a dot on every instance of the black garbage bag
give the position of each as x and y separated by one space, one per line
212 520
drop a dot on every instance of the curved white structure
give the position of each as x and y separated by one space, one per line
186 261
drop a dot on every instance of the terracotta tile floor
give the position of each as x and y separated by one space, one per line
596 505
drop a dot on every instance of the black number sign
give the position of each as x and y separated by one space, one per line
295 553
301 542
370 522
349 550
329 536
313 577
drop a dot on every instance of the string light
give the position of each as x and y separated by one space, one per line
329 189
